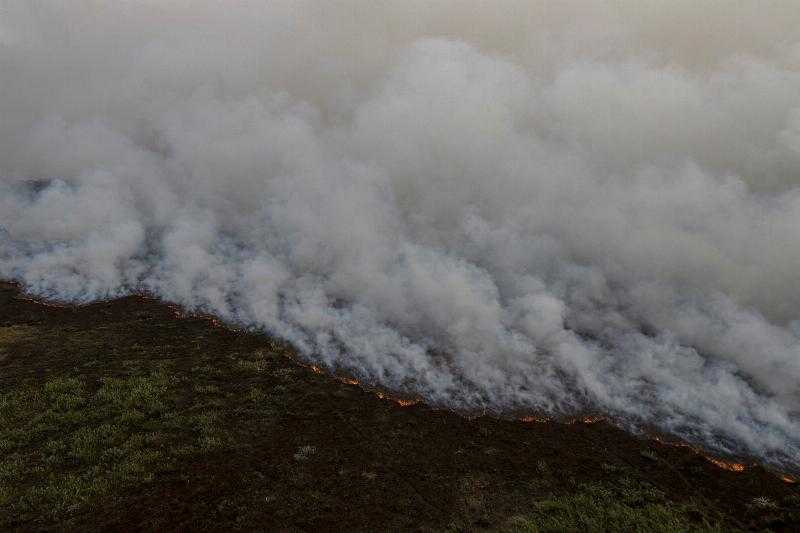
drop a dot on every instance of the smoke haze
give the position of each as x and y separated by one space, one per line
508 205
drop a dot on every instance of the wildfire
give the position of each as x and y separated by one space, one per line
402 402
45 303
725 465
535 419
594 419
176 311
589 419
676 444
540 419
180 313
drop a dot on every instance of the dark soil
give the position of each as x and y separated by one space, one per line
285 447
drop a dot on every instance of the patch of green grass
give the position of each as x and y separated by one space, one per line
68 442
62 447
625 507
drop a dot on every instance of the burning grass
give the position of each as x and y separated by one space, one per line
121 416
731 466
726 465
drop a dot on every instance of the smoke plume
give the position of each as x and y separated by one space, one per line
542 206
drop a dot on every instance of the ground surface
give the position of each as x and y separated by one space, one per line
124 416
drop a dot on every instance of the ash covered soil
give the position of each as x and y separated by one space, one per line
130 415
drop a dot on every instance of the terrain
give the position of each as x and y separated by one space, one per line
133 414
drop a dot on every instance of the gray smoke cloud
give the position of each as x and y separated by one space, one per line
516 206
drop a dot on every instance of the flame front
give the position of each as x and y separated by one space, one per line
402 402
44 303
725 465
536 419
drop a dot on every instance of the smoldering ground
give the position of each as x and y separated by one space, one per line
519 205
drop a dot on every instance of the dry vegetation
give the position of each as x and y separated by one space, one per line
121 416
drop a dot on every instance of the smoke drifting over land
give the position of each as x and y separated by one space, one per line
516 205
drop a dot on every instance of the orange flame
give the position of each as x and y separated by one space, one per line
788 479
402 402
591 419
725 465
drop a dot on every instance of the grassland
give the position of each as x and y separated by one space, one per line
123 416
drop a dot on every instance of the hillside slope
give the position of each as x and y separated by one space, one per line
129 414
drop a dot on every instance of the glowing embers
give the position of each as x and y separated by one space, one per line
531 419
541 419
588 420
402 402
594 419
788 479
182 313
177 311
726 465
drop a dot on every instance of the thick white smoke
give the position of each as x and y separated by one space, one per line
514 205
